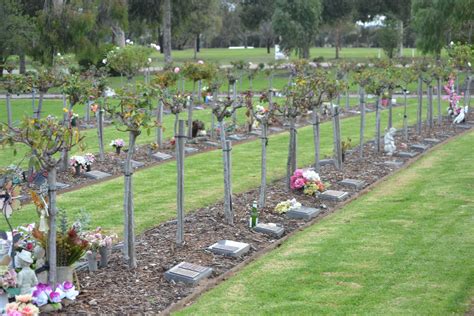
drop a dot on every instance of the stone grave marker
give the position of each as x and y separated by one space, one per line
406 154
276 129
96 174
333 195
212 144
235 137
431 140
161 156
62 186
394 163
324 162
135 164
353 183
419 147
229 248
270 229
187 273
303 213
190 150
463 126
256 132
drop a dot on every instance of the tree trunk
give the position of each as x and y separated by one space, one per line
400 30
52 255
234 97
377 123
405 116
129 227
199 93
337 40
40 105
316 138
22 58
167 31
9 110
420 105
119 35
180 183
195 48
337 138
100 132
438 88
263 177
430 106
467 92
198 43
346 79
159 120
213 119
88 111
226 148
362 119
390 112
268 47
190 112
33 101
291 163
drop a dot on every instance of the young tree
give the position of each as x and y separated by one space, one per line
296 23
44 138
132 114
257 15
336 13
14 84
128 60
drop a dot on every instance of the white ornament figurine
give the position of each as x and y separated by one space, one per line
389 141
26 278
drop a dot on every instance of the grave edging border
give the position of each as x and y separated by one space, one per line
206 285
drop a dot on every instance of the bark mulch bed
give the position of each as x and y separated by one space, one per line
115 289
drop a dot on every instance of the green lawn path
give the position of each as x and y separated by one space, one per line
403 249
155 188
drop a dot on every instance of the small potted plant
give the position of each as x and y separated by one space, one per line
117 144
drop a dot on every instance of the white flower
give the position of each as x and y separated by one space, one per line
149 60
104 61
311 175
127 41
451 44
469 64
294 204
58 54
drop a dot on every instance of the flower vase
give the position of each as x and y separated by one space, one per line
104 252
117 150
64 274
92 260
88 168
3 300
77 170
73 122
343 156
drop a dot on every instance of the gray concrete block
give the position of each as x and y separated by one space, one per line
303 213
96 174
333 195
187 273
270 229
353 183
161 156
229 248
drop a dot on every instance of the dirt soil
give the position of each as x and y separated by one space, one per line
116 289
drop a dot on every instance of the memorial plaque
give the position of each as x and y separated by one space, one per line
135 164
303 213
229 248
333 195
394 163
353 183
235 137
62 186
324 162
190 150
419 147
212 144
270 229
276 129
187 273
161 156
431 140
463 126
96 174
406 154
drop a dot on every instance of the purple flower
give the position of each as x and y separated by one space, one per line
67 286
55 297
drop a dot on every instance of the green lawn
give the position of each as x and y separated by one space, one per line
405 248
155 188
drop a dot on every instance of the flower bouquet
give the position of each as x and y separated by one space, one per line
8 281
50 299
23 305
98 242
287 205
89 160
306 180
77 162
117 144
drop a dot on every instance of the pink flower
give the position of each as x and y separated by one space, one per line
298 173
13 313
55 297
299 183
177 70
67 286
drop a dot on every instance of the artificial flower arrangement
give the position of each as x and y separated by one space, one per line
44 294
8 280
117 143
70 246
77 161
287 205
306 180
82 162
23 305
98 239
260 112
